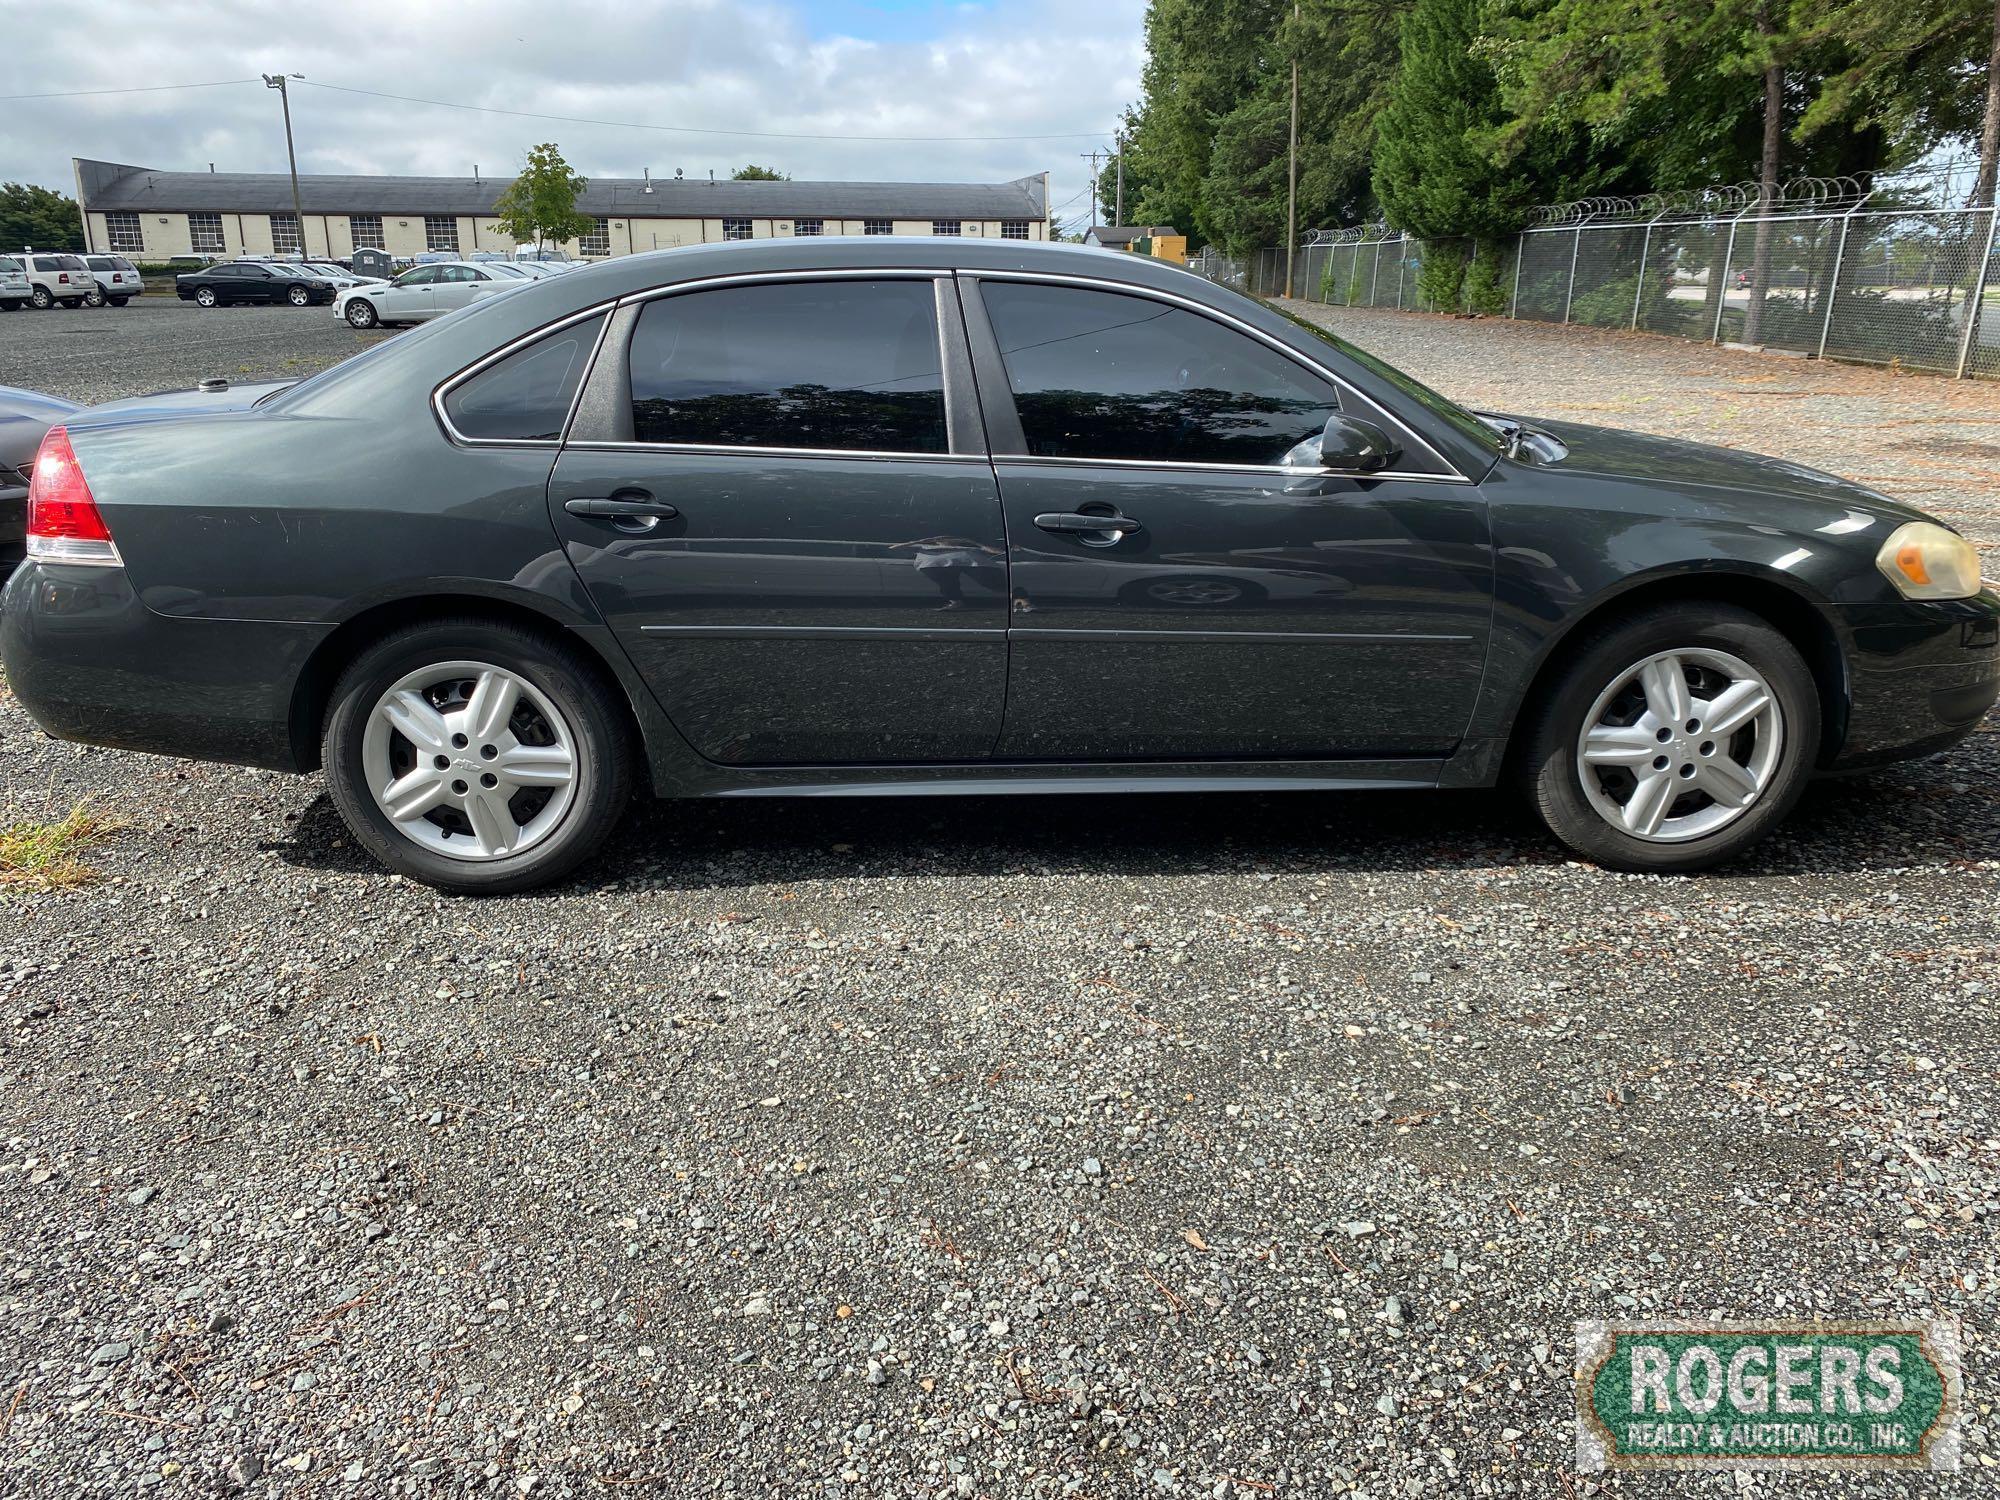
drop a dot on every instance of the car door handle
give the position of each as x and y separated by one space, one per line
1072 521
613 507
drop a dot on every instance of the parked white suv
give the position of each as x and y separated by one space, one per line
118 280
14 288
54 278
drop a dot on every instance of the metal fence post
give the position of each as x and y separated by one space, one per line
1973 307
1520 254
1575 249
1638 291
1375 274
1833 283
1722 292
1402 267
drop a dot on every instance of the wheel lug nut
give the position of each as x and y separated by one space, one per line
1664 735
1694 726
489 781
1659 763
460 787
488 751
459 741
442 762
1687 772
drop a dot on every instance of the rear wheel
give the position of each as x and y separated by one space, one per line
72 303
204 296
120 301
478 757
94 299
42 298
1674 739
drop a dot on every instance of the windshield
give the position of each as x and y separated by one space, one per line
502 270
1450 412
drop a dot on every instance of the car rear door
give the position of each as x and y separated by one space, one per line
455 286
777 493
1238 601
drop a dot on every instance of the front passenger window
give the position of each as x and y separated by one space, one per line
1104 375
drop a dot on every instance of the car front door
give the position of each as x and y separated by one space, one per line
408 299
1238 601
777 494
244 282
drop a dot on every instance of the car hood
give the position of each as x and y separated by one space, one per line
163 404
1616 453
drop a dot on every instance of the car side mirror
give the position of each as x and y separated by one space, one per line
1351 446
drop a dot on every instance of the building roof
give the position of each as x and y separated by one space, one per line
1124 234
113 185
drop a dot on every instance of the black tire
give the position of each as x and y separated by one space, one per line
361 313
571 679
120 301
205 296
298 296
93 299
72 303
1552 729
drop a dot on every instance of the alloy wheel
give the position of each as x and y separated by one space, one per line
204 297
470 760
1680 745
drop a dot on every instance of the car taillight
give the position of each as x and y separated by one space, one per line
64 523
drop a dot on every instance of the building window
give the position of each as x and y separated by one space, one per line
441 233
878 226
736 229
124 231
944 226
598 241
205 234
1013 229
285 235
808 226
367 231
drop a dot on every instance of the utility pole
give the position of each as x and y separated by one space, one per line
1292 160
277 81
1121 177
1094 209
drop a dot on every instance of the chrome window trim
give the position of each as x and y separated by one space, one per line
1202 309
1180 464
453 382
590 445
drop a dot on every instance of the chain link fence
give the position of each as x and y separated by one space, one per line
1818 273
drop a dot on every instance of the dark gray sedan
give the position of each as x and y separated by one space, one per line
24 417
828 517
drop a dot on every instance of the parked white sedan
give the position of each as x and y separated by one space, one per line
422 292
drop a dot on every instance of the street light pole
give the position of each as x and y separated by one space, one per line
277 81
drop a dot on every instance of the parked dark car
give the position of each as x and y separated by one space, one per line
251 281
24 417
836 517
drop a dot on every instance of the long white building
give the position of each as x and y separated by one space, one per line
142 212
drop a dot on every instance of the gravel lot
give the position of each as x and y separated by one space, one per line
1225 1146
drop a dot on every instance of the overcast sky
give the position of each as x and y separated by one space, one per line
822 67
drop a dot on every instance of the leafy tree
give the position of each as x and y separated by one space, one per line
755 173
38 216
540 204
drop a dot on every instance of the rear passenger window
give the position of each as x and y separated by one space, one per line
848 365
526 396
1108 376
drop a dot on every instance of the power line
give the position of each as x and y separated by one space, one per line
760 135
150 88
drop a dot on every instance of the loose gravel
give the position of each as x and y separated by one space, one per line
1212 1146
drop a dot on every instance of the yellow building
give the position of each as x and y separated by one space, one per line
149 214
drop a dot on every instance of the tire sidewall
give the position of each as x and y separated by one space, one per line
1552 763
603 780
369 321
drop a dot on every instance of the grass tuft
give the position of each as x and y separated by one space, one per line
44 856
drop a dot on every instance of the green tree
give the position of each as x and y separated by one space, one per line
755 173
540 204
38 216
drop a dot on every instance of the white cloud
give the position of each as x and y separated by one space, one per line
1022 68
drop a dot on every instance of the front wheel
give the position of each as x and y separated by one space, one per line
361 313
120 301
205 296
478 757
298 296
1674 739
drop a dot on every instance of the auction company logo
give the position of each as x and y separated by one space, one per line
1676 1395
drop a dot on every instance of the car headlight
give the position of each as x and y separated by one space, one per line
1926 561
